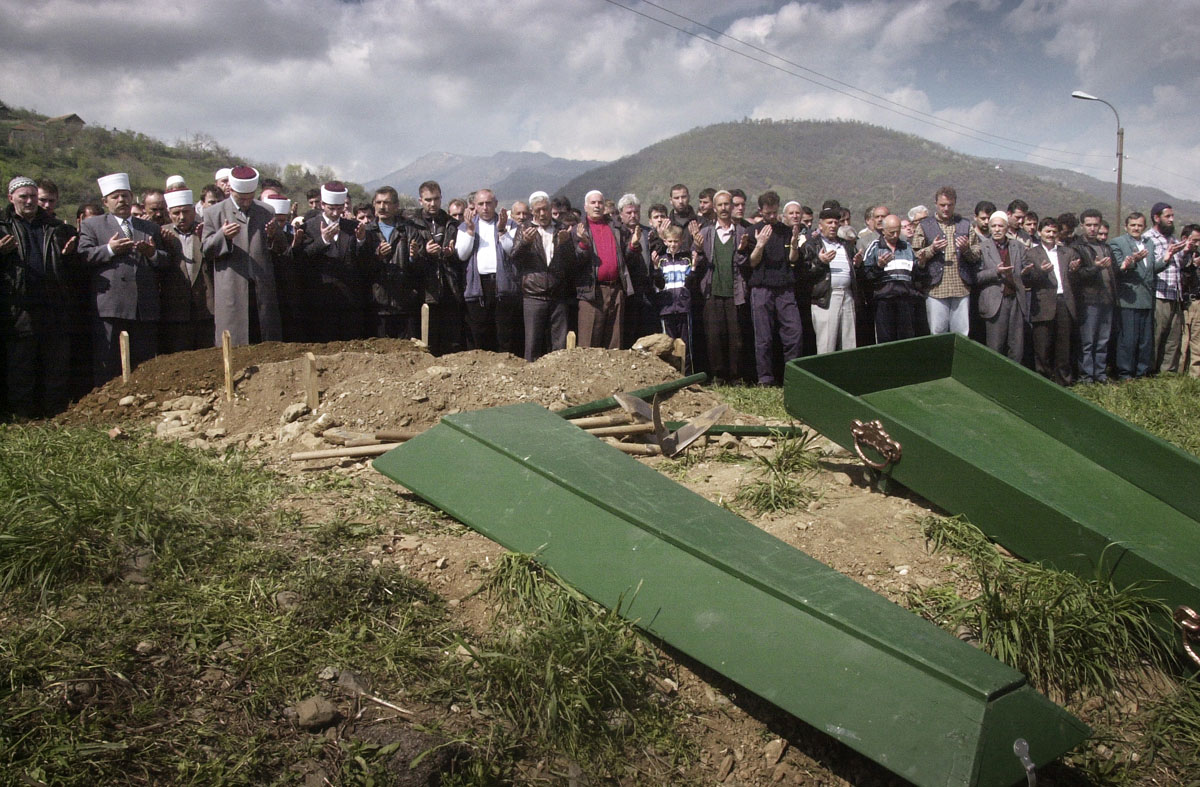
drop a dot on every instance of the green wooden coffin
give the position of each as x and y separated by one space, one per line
847 661
1048 475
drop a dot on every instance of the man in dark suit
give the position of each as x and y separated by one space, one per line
1003 300
1047 272
186 286
124 254
544 255
333 250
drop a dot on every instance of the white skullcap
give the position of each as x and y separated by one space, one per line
282 207
587 196
334 193
243 180
998 215
118 181
222 173
538 196
178 197
789 202
175 181
726 192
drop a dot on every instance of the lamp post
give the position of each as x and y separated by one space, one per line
1079 94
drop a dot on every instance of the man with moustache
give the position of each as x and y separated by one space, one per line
830 263
37 306
544 254
722 288
395 308
769 262
1048 271
888 262
185 286
641 310
606 255
1003 300
1168 294
124 254
1096 294
1137 267
942 245
492 293
332 250
431 247
239 237
155 207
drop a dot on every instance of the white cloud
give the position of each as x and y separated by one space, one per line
367 87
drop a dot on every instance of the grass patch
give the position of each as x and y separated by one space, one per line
567 675
77 505
1166 405
763 401
1069 635
784 479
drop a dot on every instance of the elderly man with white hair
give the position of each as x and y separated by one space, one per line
239 236
544 255
1003 299
124 254
607 255
641 310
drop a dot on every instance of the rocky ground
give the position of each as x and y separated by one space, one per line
374 385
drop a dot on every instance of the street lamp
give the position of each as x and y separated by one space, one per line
1079 94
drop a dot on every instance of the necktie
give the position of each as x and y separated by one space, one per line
125 228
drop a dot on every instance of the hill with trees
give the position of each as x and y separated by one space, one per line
511 175
73 154
855 163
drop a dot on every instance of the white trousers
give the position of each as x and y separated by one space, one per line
835 325
949 314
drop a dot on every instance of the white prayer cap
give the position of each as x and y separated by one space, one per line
174 182
243 179
538 196
1001 215
222 174
789 202
334 193
178 197
282 207
118 181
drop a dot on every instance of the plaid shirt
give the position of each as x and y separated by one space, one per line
1166 283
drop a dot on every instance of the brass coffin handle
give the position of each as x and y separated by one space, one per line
1189 621
872 435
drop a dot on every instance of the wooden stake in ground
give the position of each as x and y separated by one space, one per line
126 367
425 324
343 453
227 356
312 397
570 340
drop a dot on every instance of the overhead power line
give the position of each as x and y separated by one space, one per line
843 88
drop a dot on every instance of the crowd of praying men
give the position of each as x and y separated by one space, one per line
747 288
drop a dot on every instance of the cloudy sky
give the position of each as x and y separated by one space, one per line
366 87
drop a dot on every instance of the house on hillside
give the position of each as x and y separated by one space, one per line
5 112
71 121
27 133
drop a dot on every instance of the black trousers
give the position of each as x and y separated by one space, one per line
37 374
495 322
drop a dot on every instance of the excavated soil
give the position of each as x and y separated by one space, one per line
373 385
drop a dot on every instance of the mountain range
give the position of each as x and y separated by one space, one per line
858 164
510 175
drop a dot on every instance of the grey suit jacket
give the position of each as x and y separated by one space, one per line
237 263
122 286
990 282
